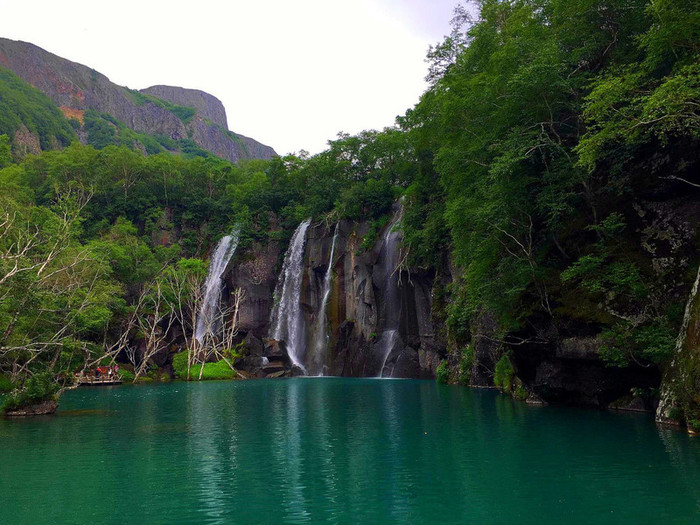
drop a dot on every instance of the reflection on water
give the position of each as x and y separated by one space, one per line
340 451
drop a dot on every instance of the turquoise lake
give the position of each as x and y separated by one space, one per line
331 450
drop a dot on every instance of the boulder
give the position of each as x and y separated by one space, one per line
252 345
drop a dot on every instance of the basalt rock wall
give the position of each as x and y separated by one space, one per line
353 324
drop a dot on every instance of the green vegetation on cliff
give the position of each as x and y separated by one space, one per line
22 104
184 113
551 130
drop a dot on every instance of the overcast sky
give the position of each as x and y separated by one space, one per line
291 73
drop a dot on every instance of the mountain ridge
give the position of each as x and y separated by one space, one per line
76 88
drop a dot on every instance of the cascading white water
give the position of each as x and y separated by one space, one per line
320 345
287 320
209 308
390 311
386 343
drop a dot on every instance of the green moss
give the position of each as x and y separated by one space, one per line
212 371
520 393
127 375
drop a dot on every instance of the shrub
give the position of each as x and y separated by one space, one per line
126 375
466 362
37 388
5 383
21 103
504 373
373 233
442 374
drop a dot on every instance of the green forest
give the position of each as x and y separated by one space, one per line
549 129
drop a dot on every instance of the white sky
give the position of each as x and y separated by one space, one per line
291 73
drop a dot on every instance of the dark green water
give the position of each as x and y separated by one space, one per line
339 451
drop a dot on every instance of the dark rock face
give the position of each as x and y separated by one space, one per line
571 372
226 144
487 349
252 345
354 327
207 106
76 87
255 273
679 402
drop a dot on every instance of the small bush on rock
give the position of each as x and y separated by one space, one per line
442 374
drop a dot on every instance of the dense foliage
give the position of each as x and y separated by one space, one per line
552 127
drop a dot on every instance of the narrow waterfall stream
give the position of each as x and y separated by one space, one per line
390 312
320 344
287 320
207 322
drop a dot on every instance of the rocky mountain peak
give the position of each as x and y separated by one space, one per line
208 106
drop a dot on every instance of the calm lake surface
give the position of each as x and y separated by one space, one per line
339 451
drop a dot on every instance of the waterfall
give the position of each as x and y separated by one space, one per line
209 308
287 319
389 315
320 345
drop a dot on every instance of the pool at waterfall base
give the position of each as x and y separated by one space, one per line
337 450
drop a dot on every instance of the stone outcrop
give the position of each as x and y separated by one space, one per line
75 87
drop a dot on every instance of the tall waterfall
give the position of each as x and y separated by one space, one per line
209 308
390 312
287 319
320 344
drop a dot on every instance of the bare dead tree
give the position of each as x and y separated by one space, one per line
59 268
155 322
219 335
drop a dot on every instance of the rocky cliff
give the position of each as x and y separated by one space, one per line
75 88
207 106
355 345
679 402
